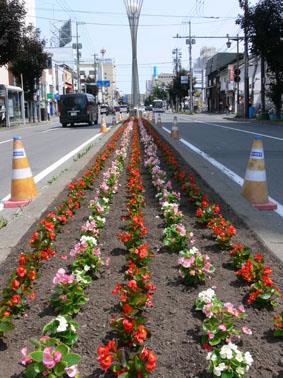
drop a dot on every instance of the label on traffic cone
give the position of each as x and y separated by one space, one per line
255 185
103 126
175 129
23 188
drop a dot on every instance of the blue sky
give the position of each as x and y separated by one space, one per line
155 42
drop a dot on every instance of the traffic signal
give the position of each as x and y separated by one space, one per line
237 77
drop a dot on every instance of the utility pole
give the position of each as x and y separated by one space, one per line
262 84
78 57
190 42
237 84
246 62
94 66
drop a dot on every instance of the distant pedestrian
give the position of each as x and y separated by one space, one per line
3 114
48 111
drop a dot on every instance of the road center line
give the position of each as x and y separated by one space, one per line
232 175
55 165
239 130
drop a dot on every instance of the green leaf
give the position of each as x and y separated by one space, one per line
37 356
63 349
124 375
72 359
59 369
30 372
6 325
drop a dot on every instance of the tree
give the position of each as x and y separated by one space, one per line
159 93
30 61
178 91
11 26
263 24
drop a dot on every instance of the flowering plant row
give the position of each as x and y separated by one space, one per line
126 355
194 267
52 356
19 291
219 329
263 290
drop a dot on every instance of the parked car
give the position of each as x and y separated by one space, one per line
148 108
78 108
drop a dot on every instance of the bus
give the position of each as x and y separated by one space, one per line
159 106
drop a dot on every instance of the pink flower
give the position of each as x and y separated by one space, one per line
247 330
44 338
231 309
62 278
63 257
222 327
26 360
206 310
72 371
187 263
97 252
210 335
242 308
107 261
48 359
181 229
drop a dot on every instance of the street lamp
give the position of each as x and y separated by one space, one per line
133 8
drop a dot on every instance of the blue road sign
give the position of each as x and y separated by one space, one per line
103 83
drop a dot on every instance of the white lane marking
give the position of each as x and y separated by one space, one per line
239 130
53 129
232 175
53 166
6 141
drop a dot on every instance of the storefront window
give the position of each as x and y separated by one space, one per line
14 105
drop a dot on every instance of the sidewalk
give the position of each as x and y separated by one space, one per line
54 119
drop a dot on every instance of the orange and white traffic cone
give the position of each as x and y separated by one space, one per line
255 185
23 188
103 126
175 129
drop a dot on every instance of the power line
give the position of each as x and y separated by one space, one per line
142 14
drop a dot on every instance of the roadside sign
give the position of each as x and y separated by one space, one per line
50 96
103 83
184 80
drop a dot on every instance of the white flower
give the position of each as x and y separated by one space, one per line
206 296
240 371
226 352
239 357
211 356
89 239
218 369
86 268
63 324
248 358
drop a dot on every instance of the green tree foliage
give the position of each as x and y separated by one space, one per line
11 25
263 24
178 91
30 60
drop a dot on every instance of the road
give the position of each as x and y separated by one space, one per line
46 144
229 143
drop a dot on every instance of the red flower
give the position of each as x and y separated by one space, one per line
32 275
16 299
128 325
21 271
127 309
16 284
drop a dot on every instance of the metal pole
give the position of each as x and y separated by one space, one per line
237 84
246 60
133 8
78 57
23 101
191 69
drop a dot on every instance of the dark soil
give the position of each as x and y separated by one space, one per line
174 324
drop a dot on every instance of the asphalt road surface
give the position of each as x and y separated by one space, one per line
229 143
45 144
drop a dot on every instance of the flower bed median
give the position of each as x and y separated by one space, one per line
168 303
